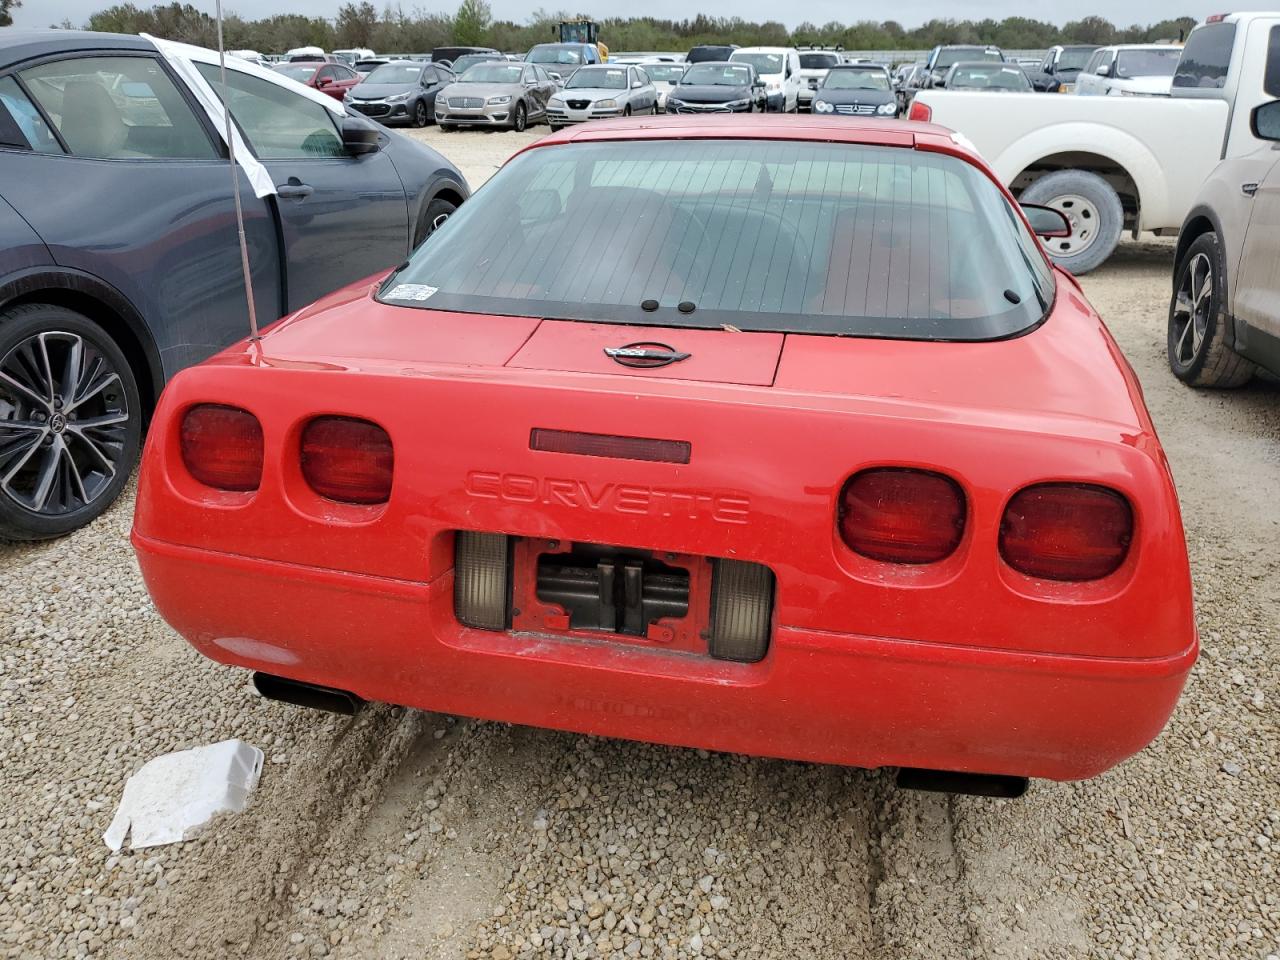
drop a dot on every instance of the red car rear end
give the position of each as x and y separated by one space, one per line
911 538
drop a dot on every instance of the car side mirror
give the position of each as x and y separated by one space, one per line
1046 221
359 137
1104 70
1265 121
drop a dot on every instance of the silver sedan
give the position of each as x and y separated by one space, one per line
593 93
495 94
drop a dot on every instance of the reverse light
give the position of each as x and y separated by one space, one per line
900 515
222 447
348 460
1066 531
920 111
741 611
481 579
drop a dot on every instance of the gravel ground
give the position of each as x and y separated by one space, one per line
402 834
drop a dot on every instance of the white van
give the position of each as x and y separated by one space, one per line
779 68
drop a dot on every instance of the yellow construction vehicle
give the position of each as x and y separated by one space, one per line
582 31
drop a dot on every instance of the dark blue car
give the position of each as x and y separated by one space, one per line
119 257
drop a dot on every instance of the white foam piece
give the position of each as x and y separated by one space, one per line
174 794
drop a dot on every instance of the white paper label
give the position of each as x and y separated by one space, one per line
411 291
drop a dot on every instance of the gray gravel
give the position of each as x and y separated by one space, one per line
404 834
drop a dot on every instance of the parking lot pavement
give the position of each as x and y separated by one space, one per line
403 834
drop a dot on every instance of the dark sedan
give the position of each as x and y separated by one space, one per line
718 87
857 89
402 91
119 258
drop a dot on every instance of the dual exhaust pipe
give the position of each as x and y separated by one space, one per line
345 702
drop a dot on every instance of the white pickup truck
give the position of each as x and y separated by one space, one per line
1116 163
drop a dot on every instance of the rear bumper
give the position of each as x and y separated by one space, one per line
823 697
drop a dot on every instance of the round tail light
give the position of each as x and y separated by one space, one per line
222 447
1066 531
347 460
900 515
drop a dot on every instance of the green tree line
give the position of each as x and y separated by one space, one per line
393 30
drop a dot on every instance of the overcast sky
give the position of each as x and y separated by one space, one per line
910 13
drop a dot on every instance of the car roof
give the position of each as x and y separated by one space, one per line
766 50
19 44
865 66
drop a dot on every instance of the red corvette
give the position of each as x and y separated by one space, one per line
779 438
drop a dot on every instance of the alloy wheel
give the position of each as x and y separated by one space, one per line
1193 305
64 417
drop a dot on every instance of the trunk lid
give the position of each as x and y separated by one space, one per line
670 353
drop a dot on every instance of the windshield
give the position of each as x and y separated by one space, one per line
395 73
302 72
1074 59
845 79
947 58
664 72
462 64
818 61
789 236
492 73
566 55
717 75
765 63
979 77
1147 63
606 78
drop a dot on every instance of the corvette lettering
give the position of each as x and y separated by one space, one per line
626 498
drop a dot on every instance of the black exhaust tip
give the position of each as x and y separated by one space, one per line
952 781
306 694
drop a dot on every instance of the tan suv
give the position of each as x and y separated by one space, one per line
1224 318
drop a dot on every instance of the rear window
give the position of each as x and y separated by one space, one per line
1147 63
1206 58
795 237
947 58
818 61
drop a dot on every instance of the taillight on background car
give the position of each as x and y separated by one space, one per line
901 515
222 447
920 111
348 460
1066 531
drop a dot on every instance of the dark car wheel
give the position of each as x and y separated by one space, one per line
420 114
70 421
437 212
1198 321
626 110
521 118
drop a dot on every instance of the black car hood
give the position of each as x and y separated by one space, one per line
709 92
377 91
872 97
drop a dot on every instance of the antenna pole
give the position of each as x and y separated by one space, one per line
235 184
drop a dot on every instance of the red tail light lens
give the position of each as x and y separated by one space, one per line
222 447
901 515
1066 531
920 111
348 460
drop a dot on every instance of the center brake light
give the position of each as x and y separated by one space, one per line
348 460
222 447
901 515
1066 531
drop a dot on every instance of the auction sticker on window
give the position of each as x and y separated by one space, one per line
411 291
